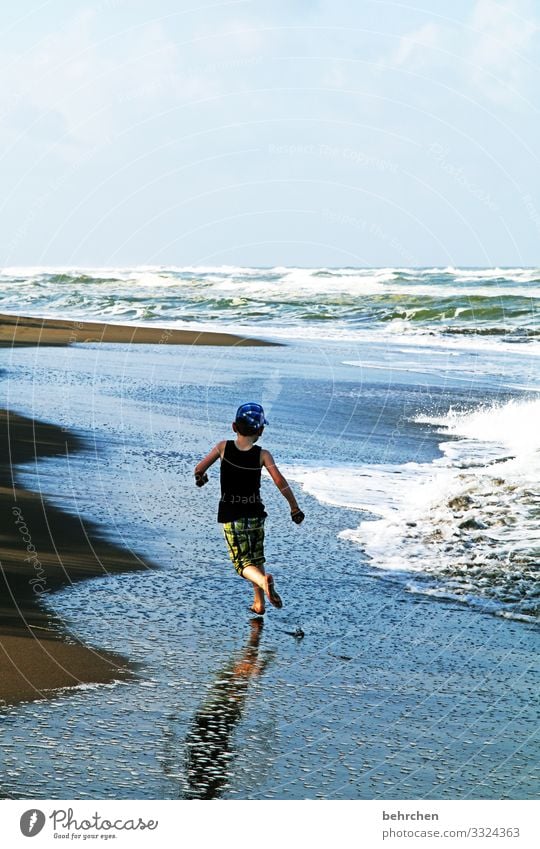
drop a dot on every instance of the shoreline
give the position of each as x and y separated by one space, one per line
34 330
43 549
406 687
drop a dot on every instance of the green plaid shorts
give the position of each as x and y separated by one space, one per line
245 541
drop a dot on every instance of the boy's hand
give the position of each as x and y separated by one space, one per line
297 516
201 479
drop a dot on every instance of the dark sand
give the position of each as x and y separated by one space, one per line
42 549
24 330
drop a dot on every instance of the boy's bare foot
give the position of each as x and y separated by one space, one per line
258 605
271 593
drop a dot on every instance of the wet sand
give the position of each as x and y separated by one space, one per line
24 330
393 693
42 549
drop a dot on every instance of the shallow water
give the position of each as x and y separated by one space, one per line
392 693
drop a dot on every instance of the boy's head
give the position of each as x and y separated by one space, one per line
249 420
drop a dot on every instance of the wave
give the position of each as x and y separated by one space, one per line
493 275
487 302
467 522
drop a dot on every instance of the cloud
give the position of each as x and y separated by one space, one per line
488 52
413 46
76 87
502 37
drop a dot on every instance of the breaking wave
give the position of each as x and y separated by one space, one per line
468 521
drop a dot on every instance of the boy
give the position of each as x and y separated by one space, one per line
241 510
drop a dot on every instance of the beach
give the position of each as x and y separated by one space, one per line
32 330
415 677
44 548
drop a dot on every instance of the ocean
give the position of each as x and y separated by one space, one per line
500 304
403 407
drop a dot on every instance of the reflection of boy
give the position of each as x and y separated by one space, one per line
241 510
208 745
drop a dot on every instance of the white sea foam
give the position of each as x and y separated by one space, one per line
425 338
297 283
469 519
292 281
514 425
520 275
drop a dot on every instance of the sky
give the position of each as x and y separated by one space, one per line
269 133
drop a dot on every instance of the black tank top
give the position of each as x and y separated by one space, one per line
240 484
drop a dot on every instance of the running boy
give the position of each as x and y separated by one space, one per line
241 510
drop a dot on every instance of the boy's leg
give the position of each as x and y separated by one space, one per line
245 539
265 583
258 595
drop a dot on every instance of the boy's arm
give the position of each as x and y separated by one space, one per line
282 484
200 469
